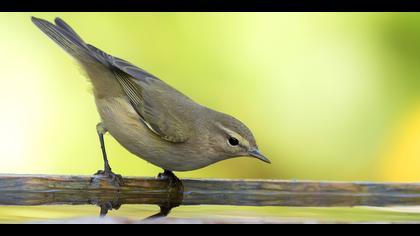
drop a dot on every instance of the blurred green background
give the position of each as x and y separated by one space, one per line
329 96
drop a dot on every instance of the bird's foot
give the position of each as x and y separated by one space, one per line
174 182
175 194
114 179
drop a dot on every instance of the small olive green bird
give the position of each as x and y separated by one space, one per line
150 118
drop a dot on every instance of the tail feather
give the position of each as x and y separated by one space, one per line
85 53
65 37
69 31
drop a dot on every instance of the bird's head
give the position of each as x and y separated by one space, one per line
231 138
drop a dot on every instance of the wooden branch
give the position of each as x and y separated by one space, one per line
77 190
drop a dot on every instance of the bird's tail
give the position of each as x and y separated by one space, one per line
65 37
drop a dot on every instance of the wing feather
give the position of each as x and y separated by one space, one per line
156 115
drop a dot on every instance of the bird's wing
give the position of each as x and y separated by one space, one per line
159 114
149 97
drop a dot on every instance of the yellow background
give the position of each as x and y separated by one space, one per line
329 96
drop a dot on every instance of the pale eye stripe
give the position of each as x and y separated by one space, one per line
242 141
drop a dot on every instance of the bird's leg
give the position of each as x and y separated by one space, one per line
107 172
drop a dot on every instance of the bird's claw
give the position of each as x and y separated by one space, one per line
174 182
115 179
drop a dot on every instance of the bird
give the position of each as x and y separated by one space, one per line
150 118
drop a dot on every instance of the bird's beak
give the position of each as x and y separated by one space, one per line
257 154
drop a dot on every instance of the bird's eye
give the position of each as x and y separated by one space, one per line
233 141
